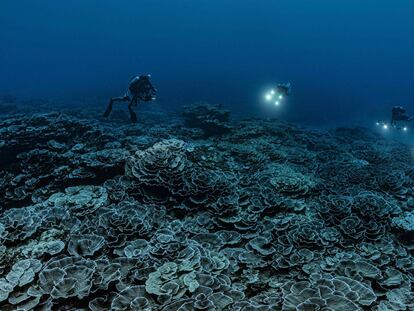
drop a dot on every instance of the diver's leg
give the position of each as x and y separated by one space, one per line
108 109
111 102
132 112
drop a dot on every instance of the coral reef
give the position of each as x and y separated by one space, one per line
159 216
211 119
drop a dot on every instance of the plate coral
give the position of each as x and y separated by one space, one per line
202 213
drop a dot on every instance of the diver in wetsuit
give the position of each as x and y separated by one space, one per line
283 89
398 115
280 92
139 88
399 119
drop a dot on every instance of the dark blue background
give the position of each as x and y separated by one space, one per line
348 60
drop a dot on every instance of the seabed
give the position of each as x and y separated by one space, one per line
199 212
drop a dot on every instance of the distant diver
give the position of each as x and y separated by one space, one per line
277 94
283 89
139 88
399 119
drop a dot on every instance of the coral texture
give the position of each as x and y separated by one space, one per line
161 216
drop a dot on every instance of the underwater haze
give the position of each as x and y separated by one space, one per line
212 184
348 61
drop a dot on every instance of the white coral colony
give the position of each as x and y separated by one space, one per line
200 212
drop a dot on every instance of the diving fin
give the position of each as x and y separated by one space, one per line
133 115
108 110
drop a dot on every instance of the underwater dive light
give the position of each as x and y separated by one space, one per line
386 126
273 96
268 97
383 124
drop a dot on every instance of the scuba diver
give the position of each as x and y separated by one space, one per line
139 88
278 93
399 118
399 114
283 89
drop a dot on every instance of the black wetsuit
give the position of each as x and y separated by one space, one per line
283 89
139 88
399 114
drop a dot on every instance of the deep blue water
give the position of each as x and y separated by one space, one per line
200 210
348 61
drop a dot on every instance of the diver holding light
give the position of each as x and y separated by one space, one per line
278 93
399 119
